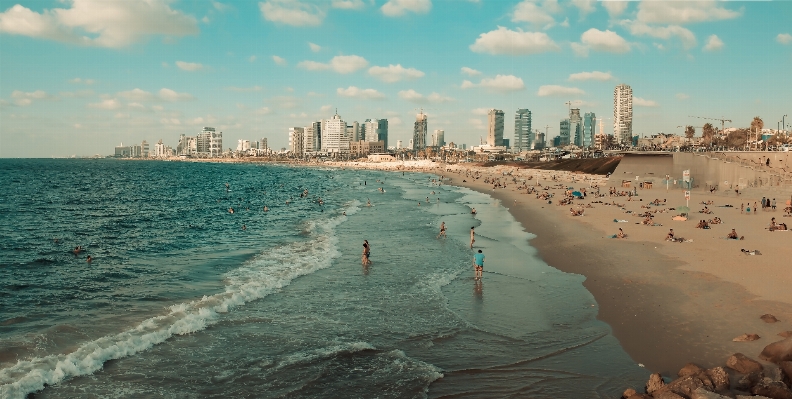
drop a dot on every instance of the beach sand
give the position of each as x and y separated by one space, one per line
668 303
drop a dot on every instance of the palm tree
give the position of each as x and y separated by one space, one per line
756 127
708 132
690 131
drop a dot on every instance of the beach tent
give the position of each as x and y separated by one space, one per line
577 194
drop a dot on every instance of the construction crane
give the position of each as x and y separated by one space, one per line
722 120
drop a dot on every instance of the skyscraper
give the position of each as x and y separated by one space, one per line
438 138
622 114
564 133
589 129
312 137
523 135
419 132
209 142
495 128
334 135
575 128
375 130
296 141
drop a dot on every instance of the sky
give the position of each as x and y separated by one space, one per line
78 77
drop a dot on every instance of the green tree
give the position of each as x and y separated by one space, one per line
690 131
737 138
708 132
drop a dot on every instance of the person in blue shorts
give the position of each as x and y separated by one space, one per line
478 263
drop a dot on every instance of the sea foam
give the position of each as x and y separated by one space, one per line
254 280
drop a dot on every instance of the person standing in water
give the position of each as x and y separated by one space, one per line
442 230
478 264
366 253
472 236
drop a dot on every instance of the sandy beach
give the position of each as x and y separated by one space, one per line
669 303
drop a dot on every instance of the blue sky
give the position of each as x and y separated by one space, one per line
78 77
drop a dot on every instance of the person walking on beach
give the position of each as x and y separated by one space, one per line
442 230
472 236
755 210
478 264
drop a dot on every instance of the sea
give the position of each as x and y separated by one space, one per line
184 298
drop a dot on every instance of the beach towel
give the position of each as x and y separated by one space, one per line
620 220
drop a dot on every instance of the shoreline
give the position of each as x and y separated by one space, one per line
666 303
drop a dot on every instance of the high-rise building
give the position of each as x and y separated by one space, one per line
375 130
419 132
209 143
145 149
312 139
243 145
296 137
622 114
523 135
540 141
589 129
398 144
495 128
262 145
334 135
575 127
564 133
438 138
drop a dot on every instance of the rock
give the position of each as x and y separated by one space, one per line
751 397
683 386
719 378
746 337
768 318
666 395
772 389
655 383
786 367
742 364
689 369
748 381
778 351
785 334
629 393
702 393
774 374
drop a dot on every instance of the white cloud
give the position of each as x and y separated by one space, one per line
480 111
637 28
252 58
279 60
314 47
470 71
414 96
243 89
394 73
638 101
394 121
682 96
82 81
535 13
555 90
110 103
397 8
291 12
189 66
326 108
505 41
607 40
502 83
713 43
170 95
683 12
615 7
348 4
220 6
580 50
196 121
594 75
170 121
585 7
354 92
99 23
263 111
136 95
26 98
76 94
341 64
136 106
784 38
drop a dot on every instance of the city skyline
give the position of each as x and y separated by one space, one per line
85 75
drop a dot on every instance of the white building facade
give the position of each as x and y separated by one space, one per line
622 114
334 135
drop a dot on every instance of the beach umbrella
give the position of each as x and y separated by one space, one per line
577 194
683 209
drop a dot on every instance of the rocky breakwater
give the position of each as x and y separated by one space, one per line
742 377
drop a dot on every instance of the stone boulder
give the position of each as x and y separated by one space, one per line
768 318
629 393
655 383
746 338
772 389
749 380
683 386
667 395
778 351
702 393
742 364
751 397
786 367
689 369
719 378
785 334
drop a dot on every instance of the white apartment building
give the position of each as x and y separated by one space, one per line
495 128
622 114
334 135
296 136
243 145
312 137
438 138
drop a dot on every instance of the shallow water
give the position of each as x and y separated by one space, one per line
181 301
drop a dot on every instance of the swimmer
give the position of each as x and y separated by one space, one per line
442 230
472 236
244 227
89 259
231 210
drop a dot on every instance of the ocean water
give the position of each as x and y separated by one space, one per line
181 301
